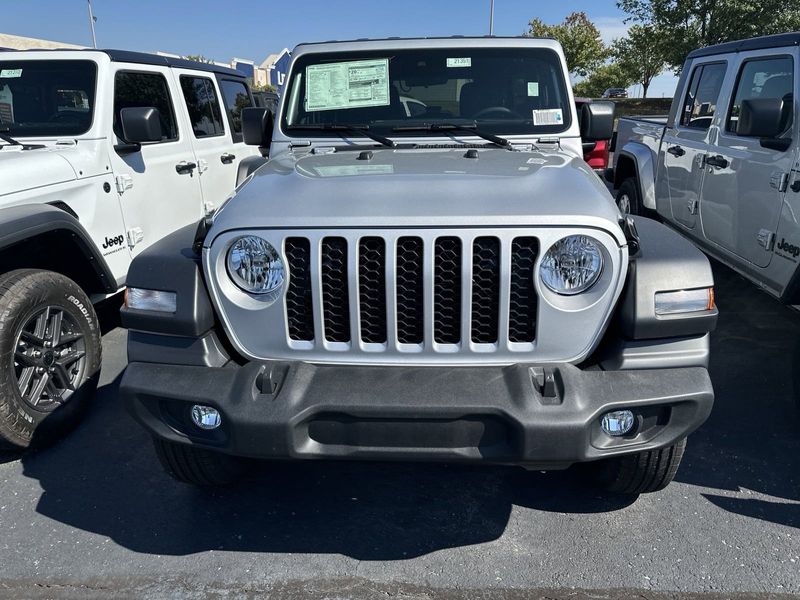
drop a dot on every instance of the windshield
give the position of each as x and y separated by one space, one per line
46 98
500 90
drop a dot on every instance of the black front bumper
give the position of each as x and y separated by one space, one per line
494 414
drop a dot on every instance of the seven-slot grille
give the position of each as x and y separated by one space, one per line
465 292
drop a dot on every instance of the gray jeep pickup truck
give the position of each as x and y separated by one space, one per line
723 168
452 285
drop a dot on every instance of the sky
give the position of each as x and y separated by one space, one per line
253 29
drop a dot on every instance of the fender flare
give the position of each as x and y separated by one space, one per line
24 222
644 167
247 166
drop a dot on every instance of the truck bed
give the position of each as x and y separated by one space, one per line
646 130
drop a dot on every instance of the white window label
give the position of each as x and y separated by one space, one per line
9 73
548 116
464 61
533 88
6 104
352 84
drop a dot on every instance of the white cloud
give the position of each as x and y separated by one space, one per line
611 27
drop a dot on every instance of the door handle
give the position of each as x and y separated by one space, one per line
227 158
676 151
716 161
185 167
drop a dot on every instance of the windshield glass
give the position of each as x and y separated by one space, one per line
46 98
501 90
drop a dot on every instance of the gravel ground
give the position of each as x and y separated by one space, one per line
96 517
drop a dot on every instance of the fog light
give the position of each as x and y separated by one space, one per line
617 422
206 417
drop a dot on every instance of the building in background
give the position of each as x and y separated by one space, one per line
18 42
277 66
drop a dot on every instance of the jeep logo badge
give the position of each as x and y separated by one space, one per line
114 241
788 248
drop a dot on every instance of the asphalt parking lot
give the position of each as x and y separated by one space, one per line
95 515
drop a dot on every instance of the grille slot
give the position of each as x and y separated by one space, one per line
485 290
522 295
335 304
410 312
447 290
372 289
299 307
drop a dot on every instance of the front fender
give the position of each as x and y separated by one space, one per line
641 164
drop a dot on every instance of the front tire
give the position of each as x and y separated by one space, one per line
641 473
628 200
50 353
198 466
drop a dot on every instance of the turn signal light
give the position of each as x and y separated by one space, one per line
685 301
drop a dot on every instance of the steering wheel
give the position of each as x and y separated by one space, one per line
500 111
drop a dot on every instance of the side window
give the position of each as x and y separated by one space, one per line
133 89
203 106
701 99
236 97
771 77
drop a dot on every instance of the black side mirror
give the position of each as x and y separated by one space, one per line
763 118
257 124
597 121
140 124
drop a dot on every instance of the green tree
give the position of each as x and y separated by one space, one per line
603 77
583 46
198 58
637 55
680 26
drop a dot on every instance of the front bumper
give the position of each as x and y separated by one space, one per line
493 414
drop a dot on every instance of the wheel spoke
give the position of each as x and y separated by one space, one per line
24 359
31 338
54 392
55 327
70 358
41 324
64 380
25 379
68 339
38 389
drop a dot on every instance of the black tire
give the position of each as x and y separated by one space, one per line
640 473
628 200
27 418
198 466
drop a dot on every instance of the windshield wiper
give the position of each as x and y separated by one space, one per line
358 129
7 138
471 128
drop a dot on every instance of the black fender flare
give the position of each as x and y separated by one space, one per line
24 222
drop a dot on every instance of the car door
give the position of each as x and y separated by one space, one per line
687 141
745 182
159 184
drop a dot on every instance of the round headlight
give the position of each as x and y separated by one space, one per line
255 266
572 265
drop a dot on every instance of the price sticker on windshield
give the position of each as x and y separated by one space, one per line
10 73
548 116
464 61
353 84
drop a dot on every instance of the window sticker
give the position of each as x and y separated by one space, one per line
548 116
533 88
6 105
9 73
352 84
464 61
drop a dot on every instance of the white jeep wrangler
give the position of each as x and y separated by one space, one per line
102 153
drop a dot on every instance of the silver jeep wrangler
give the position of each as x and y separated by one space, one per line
449 282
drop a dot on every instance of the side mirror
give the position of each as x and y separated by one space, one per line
597 121
760 117
140 124
257 123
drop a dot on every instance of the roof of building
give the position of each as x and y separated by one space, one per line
767 41
18 42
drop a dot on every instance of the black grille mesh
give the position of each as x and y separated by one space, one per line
410 313
299 309
447 290
335 304
522 297
485 289
372 289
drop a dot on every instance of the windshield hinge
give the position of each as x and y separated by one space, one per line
323 150
124 182
522 147
552 141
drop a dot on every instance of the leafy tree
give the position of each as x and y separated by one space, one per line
583 46
639 56
602 78
268 87
680 26
198 58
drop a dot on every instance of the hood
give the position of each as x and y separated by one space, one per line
421 187
22 170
